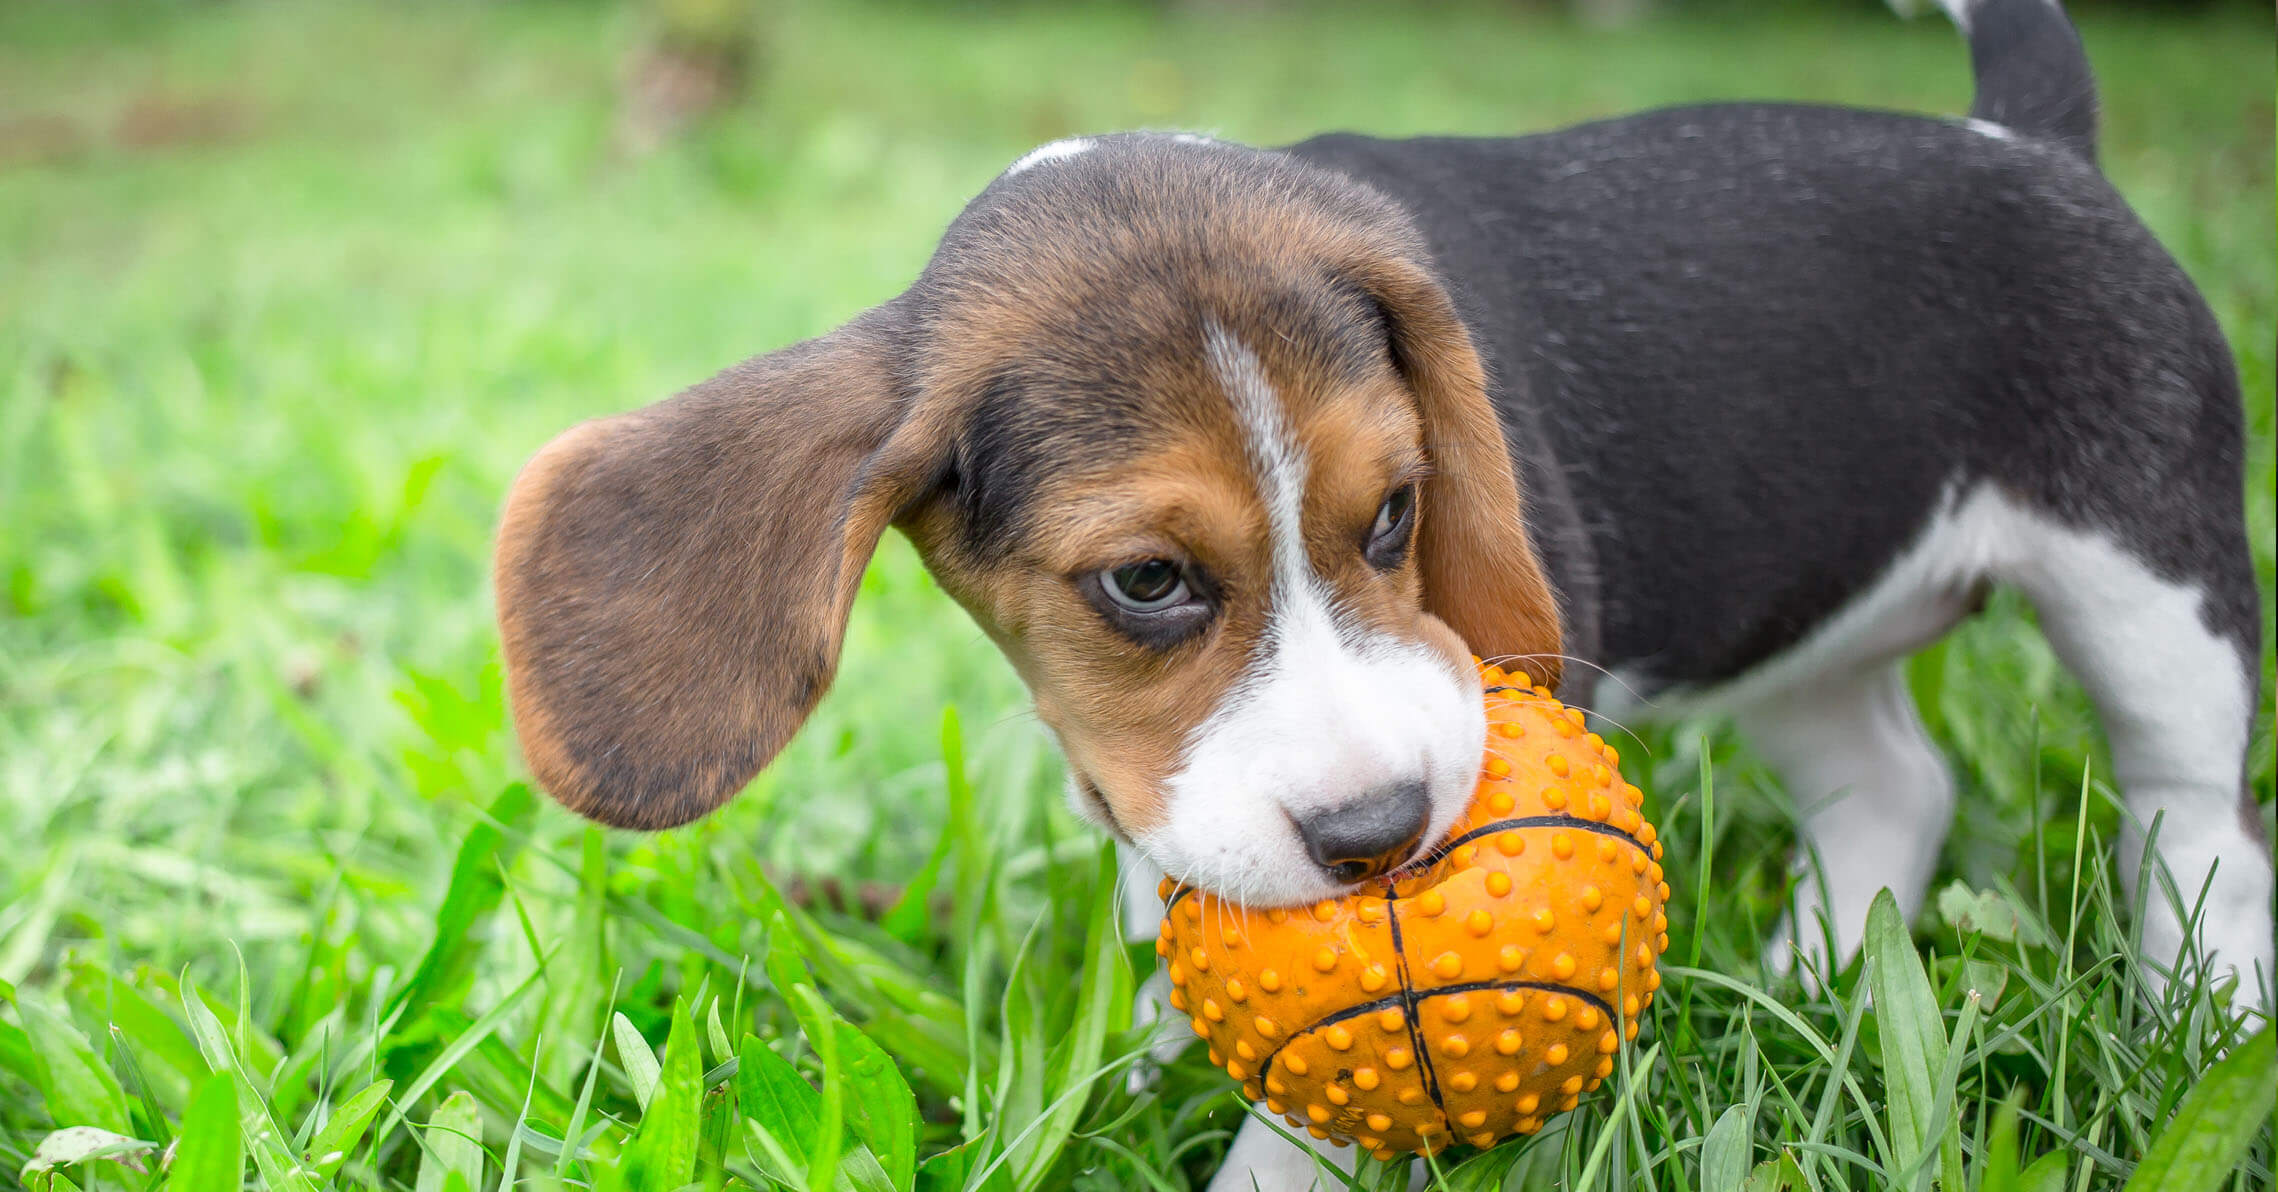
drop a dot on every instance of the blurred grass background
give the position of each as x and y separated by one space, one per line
288 291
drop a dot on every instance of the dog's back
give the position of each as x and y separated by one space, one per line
1789 386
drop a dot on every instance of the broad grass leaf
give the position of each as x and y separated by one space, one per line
85 1144
633 1054
717 1034
778 1101
785 1118
1989 913
2047 1174
948 1170
211 1154
716 1135
1724 1153
1777 1175
885 1112
2216 1123
79 1087
663 1152
329 1149
453 1141
1914 1047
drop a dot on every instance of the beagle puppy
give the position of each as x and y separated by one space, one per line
1239 454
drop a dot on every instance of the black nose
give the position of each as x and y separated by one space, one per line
1369 835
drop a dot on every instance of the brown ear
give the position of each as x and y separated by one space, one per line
1480 570
673 583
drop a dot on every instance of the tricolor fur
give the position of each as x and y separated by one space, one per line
1736 404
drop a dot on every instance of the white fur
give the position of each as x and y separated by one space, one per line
2177 704
1328 713
1276 458
1262 1160
1831 714
1987 128
1055 151
1874 796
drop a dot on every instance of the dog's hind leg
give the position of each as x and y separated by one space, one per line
1874 799
2169 660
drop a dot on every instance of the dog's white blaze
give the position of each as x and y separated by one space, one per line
1327 714
1278 461
1832 715
1055 151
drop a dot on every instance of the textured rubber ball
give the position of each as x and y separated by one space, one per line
1467 997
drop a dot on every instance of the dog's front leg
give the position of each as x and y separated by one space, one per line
1142 918
1262 1159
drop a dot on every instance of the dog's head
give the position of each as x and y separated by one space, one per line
1192 430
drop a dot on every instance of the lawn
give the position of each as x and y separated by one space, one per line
288 291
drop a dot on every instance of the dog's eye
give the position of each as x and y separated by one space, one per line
1157 603
1395 522
1147 586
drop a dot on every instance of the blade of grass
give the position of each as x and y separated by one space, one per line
211 1154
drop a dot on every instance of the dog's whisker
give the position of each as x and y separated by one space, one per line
1576 660
1537 701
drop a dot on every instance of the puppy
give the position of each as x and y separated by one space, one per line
1238 454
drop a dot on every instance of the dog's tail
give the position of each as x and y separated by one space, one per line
2032 75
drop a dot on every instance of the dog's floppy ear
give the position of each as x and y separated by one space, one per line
673 583
1480 570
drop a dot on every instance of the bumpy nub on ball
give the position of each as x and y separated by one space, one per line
1469 996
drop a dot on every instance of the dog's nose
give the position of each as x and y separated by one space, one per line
1370 835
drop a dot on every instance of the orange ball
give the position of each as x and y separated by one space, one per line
1472 994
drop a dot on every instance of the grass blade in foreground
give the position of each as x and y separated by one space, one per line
2215 1124
211 1157
1913 1052
663 1152
453 1140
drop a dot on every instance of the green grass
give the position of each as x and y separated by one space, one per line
266 371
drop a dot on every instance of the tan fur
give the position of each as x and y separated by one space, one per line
1481 573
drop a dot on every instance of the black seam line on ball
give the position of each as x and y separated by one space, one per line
1390 1001
1413 1021
1530 821
1176 896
